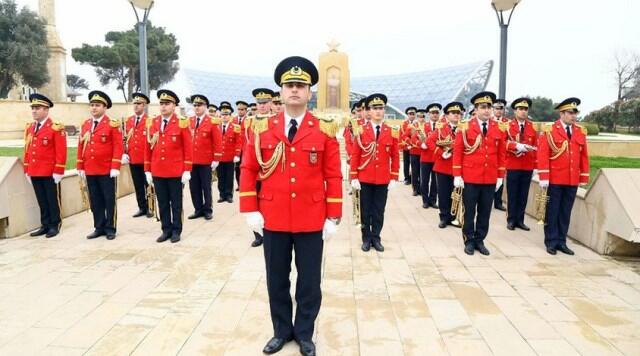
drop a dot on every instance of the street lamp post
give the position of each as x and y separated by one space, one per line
500 7
145 6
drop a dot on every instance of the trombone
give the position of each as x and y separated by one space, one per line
457 207
542 199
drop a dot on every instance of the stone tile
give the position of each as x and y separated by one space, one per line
557 347
584 339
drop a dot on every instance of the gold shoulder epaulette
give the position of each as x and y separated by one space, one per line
259 125
395 132
535 127
329 127
216 120
57 126
583 129
439 125
463 126
114 123
547 127
148 122
184 122
247 122
503 126
237 128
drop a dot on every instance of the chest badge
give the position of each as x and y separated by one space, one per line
313 157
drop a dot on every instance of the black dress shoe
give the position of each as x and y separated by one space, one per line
425 206
139 214
442 224
551 250
41 231
149 214
208 216
257 242
164 237
406 182
52 232
500 207
195 215
366 246
175 237
415 194
307 348
522 226
482 249
434 205
274 345
564 249
111 235
468 249
229 200
95 234
511 226
378 246
221 200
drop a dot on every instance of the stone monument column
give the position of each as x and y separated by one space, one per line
333 84
56 88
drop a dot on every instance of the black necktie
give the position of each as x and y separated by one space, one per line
453 129
568 131
37 128
484 128
377 132
95 124
224 129
137 120
433 126
197 123
292 130
164 124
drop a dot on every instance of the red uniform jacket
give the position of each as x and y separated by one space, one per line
560 160
305 186
426 155
525 161
232 141
245 125
483 164
207 140
435 141
136 139
412 130
169 153
381 162
45 152
347 134
404 127
101 150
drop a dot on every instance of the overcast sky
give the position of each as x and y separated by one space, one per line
557 48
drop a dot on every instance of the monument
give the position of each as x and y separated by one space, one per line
333 84
56 88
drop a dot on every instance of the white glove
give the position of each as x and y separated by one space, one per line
114 173
124 159
81 174
544 183
186 177
255 221
392 184
28 178
329 229
458 182
521 147
498 184
446 155
57 178
236 159
423 146
149 178
355 184
214 164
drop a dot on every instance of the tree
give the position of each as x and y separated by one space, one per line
119 61
23 48
542 109
626 71
75 82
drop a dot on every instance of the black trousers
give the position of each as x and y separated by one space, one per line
415 172
278 247
225 179
558 215
428 185
102 198
200 188
48 197
406 166
477 199
236 166
169 195
140 185
518 183
373 199
445 187
497 197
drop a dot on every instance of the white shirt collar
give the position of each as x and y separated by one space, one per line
298 119
42 122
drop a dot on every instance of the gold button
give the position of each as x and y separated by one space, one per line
293 180
293 149
293 164
293 195
162 158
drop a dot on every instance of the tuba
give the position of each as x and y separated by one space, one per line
457 207
542 199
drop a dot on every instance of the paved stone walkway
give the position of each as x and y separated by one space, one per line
207 295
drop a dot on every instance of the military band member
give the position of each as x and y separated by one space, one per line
240 119
428 184
253 107
276 104
500 117
45 157
478 166
99 158
404 145
299 204
168 159
563 164
441 143
134 145
231 148
374 169
414 151
213 110
522 142
207 152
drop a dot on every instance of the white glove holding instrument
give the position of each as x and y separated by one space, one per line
149 178
423 146
498 184
82 174
114 173
329 229
458 182
214 164
255 221
446 155
355 184
186 177
124 159
544 184
236 159
57 178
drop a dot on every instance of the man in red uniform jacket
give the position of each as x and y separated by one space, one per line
478 166
563 164
404 144
297 158
500 117
99 158
374 169
428 185
522 142
45 156
241 120
207 151
168 160
231 148
135 140
412 130
440 142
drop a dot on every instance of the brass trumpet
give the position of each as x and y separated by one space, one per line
457 207
542 199
84 193
151 201
355 197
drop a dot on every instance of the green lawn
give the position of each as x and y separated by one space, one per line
19 151
597 162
